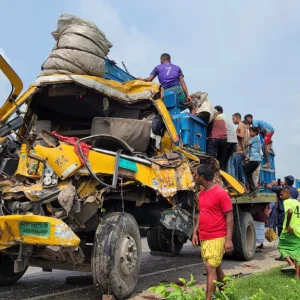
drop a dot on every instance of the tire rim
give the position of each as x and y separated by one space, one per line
129 254
250 238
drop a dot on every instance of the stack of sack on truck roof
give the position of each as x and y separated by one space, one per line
80 48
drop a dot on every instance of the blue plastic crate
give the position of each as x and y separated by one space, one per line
112 71
192 130
266 177
271 160
172 103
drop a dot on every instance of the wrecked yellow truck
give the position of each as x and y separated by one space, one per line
82 171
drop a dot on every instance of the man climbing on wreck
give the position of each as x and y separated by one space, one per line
171 78
214 226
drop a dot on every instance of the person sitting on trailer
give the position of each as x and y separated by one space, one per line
171 78
202 107
267 132
289 240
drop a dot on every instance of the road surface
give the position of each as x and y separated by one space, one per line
56 285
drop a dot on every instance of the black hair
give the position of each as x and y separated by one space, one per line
165 57
238 115
219 108
248 116
285 189
246 122
254 129
206 171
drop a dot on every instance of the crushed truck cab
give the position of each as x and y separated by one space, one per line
86 172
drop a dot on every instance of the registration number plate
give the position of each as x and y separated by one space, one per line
128 165
35 228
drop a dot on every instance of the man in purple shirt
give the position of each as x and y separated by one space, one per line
170 77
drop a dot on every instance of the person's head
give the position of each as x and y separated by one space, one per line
219 109
203 175
247 124
165 58
249 118
253 131
284 193
236 118
289 180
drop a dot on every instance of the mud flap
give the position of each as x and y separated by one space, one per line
179 220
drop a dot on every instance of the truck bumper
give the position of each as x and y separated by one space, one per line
35 230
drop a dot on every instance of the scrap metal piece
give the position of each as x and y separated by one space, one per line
66 197
177 219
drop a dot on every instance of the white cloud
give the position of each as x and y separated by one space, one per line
130 45
5 86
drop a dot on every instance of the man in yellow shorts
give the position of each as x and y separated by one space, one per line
214 226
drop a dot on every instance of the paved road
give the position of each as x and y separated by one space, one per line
41 285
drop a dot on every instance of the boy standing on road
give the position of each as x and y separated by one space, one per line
289 241
214 226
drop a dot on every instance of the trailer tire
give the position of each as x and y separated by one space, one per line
244 237
116 255
152 239
165 243
7 274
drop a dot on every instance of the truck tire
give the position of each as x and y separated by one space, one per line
116 255
244 237
165 243
7 274
152 239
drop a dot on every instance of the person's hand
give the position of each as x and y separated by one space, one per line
290 229
140 78
195 239
228 246
188 99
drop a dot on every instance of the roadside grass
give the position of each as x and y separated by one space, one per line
274 284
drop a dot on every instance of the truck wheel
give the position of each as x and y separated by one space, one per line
166 245
7 274
152 239
116 255
244 237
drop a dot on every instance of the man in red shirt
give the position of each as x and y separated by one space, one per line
214 226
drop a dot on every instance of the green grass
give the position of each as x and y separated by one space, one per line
273 283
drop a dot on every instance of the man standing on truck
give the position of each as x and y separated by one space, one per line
214 226
242 134
231 144
266 131
171 78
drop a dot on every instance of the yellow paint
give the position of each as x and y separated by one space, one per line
16 83
167 119
233 182
23 164
87 188
60 233
62 159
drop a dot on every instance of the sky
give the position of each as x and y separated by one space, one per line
245 54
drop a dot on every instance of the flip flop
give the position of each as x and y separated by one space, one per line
288 269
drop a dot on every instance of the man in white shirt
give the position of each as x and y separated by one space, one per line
231 144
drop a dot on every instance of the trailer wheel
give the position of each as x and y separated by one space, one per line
7 274
244 237
166 245
116 255
152 239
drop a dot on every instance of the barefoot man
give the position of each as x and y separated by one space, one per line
214 226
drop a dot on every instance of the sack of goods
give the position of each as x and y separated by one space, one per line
80 48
